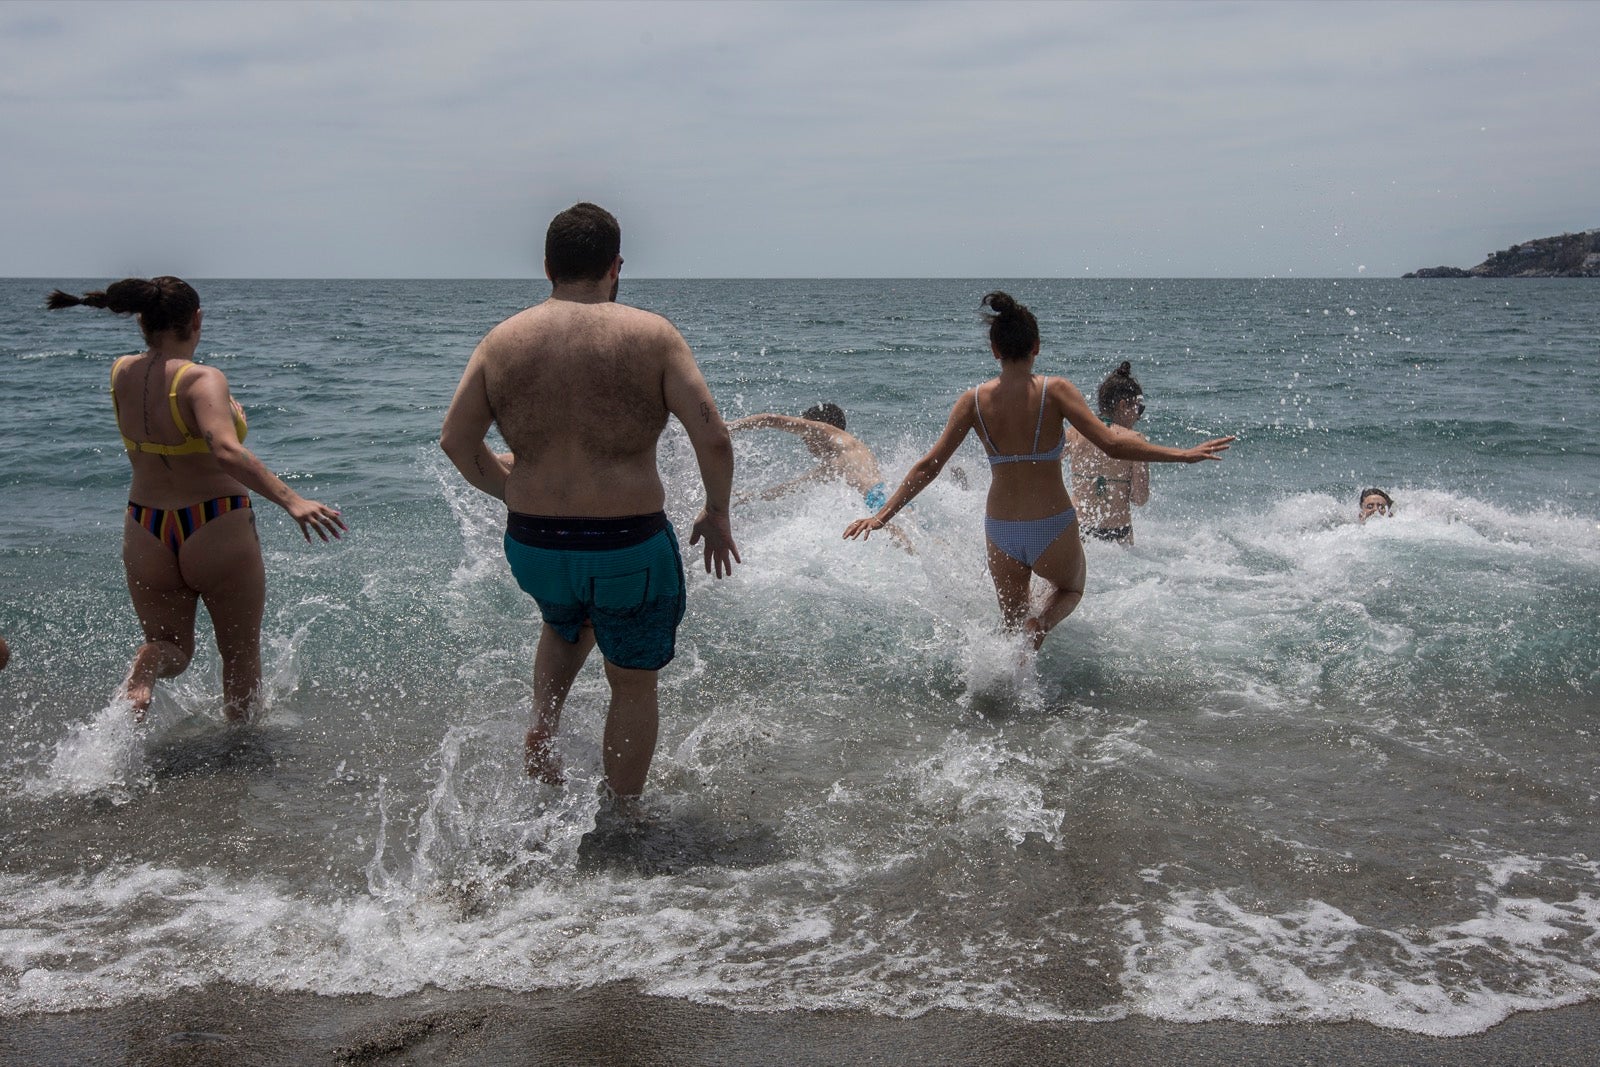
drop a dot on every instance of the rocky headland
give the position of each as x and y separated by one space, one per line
1572 255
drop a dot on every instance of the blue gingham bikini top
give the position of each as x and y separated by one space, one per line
995 455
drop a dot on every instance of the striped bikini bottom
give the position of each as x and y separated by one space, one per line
173 526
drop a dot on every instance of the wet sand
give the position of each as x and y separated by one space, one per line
232 1026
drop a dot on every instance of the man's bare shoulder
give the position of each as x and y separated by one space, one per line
555 319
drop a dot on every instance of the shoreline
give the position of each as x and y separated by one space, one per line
241 1026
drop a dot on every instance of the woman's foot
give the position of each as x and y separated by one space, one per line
140 688
1034 631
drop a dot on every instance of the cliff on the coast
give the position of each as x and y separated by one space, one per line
1572 255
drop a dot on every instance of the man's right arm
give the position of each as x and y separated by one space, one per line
466 425
689 399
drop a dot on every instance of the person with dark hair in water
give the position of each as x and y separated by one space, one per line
1374 502
1107 489
839 454
1030 525
189 534
581 387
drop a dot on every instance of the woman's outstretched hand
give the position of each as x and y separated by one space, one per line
311 515
1211 449
863 528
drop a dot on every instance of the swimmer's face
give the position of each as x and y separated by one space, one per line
1128 412
1373 505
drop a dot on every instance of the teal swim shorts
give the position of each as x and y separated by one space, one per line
623 575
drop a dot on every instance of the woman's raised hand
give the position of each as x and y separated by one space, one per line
1211 449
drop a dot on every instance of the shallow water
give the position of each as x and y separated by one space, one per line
1278 767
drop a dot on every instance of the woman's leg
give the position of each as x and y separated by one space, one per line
1011 585
165 606
222 562
1062 565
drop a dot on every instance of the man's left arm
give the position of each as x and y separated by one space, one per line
689 399
466 425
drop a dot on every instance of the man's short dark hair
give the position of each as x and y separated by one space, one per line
832 414
581 244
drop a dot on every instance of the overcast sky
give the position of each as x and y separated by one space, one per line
793 139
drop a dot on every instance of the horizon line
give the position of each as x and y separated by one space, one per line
770 278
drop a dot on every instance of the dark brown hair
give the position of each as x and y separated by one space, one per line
827 412
1012 328
164 303
581 244
1119 385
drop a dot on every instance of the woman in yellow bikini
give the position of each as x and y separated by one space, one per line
189 534
1030 525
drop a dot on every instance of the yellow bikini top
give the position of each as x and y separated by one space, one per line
191 444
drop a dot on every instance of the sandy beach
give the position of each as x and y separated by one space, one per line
612 1025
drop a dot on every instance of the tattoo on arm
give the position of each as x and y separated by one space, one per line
705 411
477 461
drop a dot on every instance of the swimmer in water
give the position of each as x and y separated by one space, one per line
1108 489
1374 502
840 455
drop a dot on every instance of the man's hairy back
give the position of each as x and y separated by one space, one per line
572 382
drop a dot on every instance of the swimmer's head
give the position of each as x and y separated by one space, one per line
830 413
1013 331
581 244
1120 387
164 304
1374 502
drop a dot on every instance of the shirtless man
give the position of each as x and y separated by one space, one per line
580 388
840 455
1107 490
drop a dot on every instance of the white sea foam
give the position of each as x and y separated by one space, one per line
103 756
984 790
1211 955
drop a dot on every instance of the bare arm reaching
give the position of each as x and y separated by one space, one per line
924 470
207 393
1119 443
689 399
466 425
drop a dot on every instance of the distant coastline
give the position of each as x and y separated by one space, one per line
1571 255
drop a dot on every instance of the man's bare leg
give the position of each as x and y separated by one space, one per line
631 725
555 665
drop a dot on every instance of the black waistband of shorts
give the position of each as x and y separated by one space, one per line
568 531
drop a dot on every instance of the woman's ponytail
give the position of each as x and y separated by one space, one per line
164 303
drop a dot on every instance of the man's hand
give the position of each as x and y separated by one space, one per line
714 527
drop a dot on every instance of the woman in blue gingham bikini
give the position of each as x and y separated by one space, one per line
1030 525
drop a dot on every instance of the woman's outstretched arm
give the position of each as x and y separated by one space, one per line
924 470
1119 443
207 390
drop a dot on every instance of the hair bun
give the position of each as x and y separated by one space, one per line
1125 371
1000 303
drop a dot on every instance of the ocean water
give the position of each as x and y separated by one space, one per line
1278 767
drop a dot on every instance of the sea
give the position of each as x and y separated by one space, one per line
1279 766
